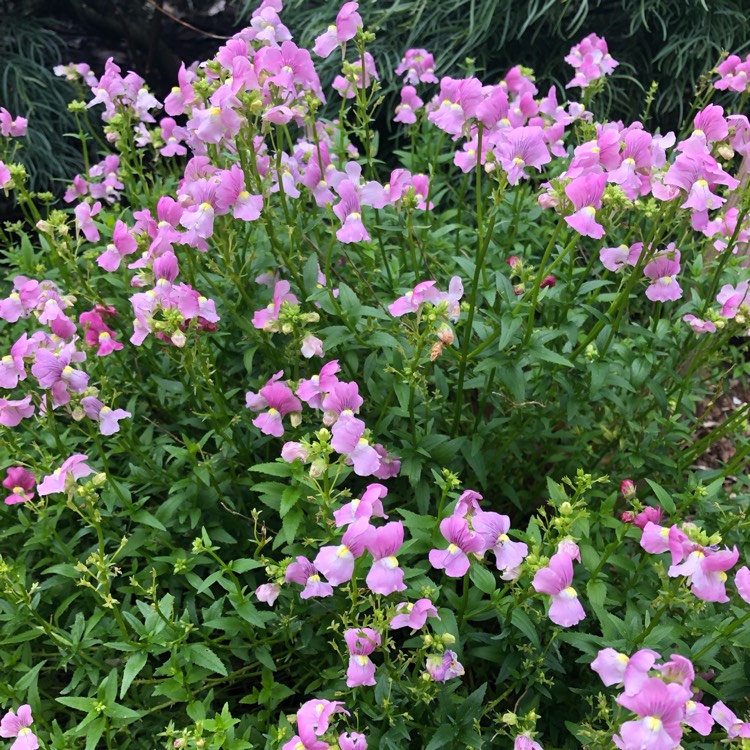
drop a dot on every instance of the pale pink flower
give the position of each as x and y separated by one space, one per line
72 469
461 542
18 726
555 580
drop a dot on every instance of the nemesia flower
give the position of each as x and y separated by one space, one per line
369 505
732 298
20 482
655 539
704 567
278 399
349 211
417 66
85 223
72 469
345 28
353 741
107 418
455 104
390 464
452 298
385 576
302 571
649 514
313 719
348 88
661 708
493 530
585 193
98 333
699 326
678 669
123 244
742 582
524 742
727 719
312 346
268 593
336 563
591 60
734 74
12 366
410 302
313 390
566 609
698 717
414 615
410 103
521 148
619 669
12 411
467 504
12 128
662 269
266 318
361 643
18 726
461 541
444 667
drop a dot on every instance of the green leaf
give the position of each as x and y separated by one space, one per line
289 498
663 497
278 468
79 704
244 564
204 657
116 711
522 621
547 355
444 735
596 592
133 666
94 733
482 579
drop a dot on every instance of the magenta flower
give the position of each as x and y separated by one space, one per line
98 333
347 88
231 193
493 529
423 292
122 245
72 469
369 505
278 399
313 391
305 573
13 411
649 514
361 642
266 318
590 59
678 669
661 708
336 563
455 104
699 326
345 28
417 66
619 669
655 539
342 400
410 103
727 719
415 614
734 74
704 569
662 269
443 667
385 576
311 346
181 95
12 128
52 369
18 726
107 418
349 212
12 366
313 719
555 580
520 148
390 464
524 742
84 222
461 542
733 298
347 439
585 192
20 482
452 298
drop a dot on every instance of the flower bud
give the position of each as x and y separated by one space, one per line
627 487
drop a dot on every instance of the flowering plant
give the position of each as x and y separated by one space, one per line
305 452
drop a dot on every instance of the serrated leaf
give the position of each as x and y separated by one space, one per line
278 468
204 657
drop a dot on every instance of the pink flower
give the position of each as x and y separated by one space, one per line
615 258
555 580
181 95
385 576
410 302
727 719
522 147
698 717
98 333
346 88
493 530
585 193
313 719
20 482
266 318
17 726
649 514
278 399
312 391
618 669
390 464
312 346
336 563
123 244
107 418
742 582
524 742
661 708
10 128
369 505
353 741
461 541
415 615
655 539
704 568
349 211
72 469
345 28
305 573
84 222
678 669
347 439
361 642
231 193
443 667
417 66
455 104
410 102
13 411
591 60
268 593
734 74
662 269
733 298
699 326
467 504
